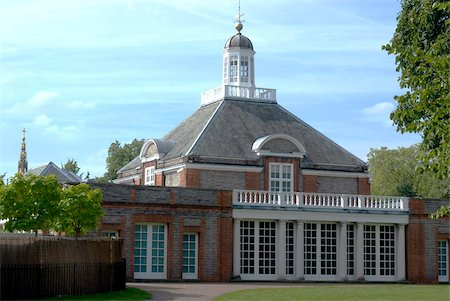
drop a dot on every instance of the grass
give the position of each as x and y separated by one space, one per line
374 292
129 293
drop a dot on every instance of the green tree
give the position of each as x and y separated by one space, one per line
80 210
30 203
396 172
421 45
119 156
71 165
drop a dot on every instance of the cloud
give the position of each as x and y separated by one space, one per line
38 100
42 120
77 104
379 112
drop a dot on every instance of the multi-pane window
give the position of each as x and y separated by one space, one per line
310 249
150 251
379 250
244 69
350 249
328 249
158 248
320 249
149 176
387 250
140 248
233 68
290 248
281 179
267 248
225 68
110 234
370 250
247 246
190 256
443 260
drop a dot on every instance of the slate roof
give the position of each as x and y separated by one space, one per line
226 130
63 176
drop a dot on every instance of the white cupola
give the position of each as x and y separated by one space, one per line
238 60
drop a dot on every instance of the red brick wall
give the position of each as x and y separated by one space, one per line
190 178
415 259
252 180
309 183
159 179
363 186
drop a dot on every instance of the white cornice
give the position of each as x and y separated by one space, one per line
339 174
277 154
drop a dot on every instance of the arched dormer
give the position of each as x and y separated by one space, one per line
279 145
154 149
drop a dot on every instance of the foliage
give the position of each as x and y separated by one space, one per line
421 45
80 210
71 165
129 293
119 156
30 203
373 292
444 211
396 172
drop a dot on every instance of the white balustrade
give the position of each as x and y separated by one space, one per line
319 200
250 93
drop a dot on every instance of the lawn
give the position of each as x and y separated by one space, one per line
356 292
129 293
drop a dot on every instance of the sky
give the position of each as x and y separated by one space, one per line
78 75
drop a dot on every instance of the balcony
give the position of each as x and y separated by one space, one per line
238 92
273 200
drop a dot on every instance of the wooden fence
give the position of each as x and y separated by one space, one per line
37 267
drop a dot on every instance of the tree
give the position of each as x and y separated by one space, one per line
71 165
119 156
30 203
421 45
80 209
396 172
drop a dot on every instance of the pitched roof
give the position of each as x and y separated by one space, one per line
63 176
226 130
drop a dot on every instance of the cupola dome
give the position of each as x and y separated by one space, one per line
238 41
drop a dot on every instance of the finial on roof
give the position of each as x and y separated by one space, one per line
239 22
23 162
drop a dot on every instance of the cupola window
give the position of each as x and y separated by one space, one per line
244 69
234 68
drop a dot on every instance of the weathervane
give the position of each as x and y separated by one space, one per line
238 20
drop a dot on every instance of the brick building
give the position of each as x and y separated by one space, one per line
289 203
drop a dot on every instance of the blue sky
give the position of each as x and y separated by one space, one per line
80 74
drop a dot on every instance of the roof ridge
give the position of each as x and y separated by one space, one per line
204 128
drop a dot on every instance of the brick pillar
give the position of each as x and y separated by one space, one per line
363 186
309 183
236 248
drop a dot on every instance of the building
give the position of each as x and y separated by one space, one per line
298 207
63 176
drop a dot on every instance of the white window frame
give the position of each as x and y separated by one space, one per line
280 180
443 265
313 264
194 275
149 176
376 255
148 274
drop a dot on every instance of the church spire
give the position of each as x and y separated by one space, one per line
23 163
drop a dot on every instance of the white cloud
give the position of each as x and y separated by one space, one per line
38 100
379 113
42 120
64 132
77 104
